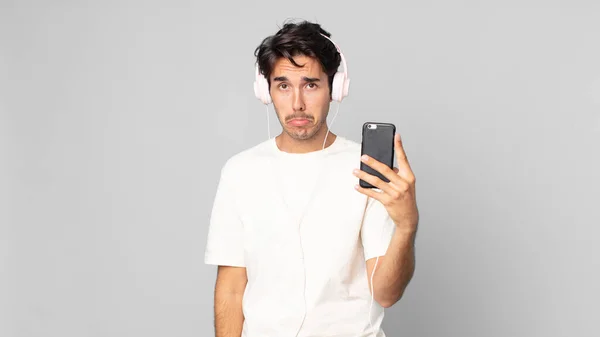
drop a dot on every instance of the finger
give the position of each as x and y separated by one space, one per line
379 196
374 180
404 169
380 167
401 187
400 153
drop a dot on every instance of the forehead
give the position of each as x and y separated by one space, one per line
311 67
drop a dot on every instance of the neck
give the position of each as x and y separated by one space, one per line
291 145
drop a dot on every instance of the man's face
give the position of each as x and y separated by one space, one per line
300 96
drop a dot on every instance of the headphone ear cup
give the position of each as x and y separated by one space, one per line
257 90
264 90
339 87
261 88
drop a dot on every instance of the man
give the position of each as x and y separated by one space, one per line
294 237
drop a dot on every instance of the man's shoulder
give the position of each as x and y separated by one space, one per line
346 150
247 158
349 146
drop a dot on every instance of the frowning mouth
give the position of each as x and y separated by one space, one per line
299 121
296 120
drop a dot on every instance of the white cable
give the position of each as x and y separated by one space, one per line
268 124
373 297
329 127
302 218
376 260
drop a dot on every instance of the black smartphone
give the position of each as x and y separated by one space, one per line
377 143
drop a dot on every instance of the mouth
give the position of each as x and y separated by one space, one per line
299 121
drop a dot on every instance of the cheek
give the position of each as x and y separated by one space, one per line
318 103
317 98
280 100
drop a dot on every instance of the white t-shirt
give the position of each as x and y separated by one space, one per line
306 275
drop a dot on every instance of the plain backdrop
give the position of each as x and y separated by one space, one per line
117 116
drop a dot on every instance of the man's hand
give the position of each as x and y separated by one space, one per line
398 196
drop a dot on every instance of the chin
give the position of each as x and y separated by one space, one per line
299 135
303 133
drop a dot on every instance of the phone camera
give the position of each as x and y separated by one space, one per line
371 126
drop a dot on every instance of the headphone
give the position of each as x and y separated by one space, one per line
339 87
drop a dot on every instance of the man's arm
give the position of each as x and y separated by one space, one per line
229 291
394 270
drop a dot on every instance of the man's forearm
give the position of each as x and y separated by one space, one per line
229 318
396 269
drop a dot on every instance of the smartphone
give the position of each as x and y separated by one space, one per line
378 143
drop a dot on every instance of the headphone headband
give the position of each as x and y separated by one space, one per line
341 54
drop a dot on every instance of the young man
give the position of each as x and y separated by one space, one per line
295 239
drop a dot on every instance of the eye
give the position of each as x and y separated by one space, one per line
312 85
283 86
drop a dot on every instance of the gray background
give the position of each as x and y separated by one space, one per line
116 118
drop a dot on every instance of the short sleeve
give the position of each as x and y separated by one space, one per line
377 229
225 241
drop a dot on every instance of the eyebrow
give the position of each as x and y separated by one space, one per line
304 78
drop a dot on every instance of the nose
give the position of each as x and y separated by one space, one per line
298 103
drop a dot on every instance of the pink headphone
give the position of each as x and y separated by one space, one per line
339 89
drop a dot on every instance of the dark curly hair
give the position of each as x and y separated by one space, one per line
293 39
